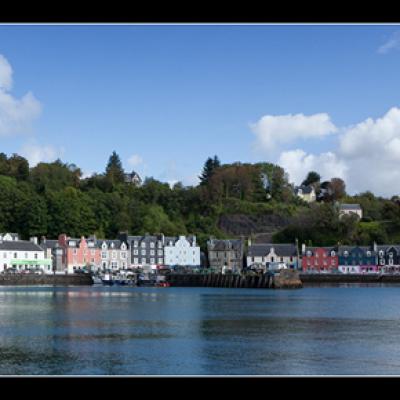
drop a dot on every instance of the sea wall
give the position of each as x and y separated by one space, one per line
286 279
349 278
33 279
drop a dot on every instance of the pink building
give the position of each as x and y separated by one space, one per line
79 253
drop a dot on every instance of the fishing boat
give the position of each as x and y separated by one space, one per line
107 280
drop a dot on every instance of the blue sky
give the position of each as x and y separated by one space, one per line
170 96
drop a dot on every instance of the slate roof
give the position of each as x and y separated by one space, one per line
49 243
22 245
364 249
350 207
13 235
225 244
281 249
327 249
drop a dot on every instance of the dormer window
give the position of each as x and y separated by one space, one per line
381 253
308 253
333 253
143 244
345 253
368 254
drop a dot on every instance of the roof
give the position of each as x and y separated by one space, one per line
225 244
314 248
23 245
350 207
48 243
351 249
304 189
14 236
281 249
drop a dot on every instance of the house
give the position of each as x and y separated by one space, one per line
226 253
79 253
23 255
350 209
9 236
115 254
357 259
49 247
181 251
319 259
306 193
145 251
260 255
133 178
388 258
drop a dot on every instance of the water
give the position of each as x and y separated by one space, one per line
200 331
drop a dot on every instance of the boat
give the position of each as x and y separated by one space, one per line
107 280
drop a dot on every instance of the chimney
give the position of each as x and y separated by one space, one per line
43 239
34 239
303 248
375 247
249 242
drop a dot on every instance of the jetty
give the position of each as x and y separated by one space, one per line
285 279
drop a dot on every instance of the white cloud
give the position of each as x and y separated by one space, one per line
392 44
273 131
35 153
367 156
135 160
297 163
16 115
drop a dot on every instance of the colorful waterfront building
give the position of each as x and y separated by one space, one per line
319 259
388 258
115 254
79 254
181 251
357 259
23 255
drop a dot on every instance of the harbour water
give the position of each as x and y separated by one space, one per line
347 329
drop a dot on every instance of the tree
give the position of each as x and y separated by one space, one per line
208 170
114 170
312 178
18 167
338 188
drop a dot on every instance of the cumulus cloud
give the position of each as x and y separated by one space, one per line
366 157
35 153
273 131
297 163
392 44
16 115
134 160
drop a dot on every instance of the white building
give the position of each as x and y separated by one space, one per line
23 255
348 209
181 251
114 254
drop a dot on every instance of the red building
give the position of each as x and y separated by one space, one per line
319 259
79 253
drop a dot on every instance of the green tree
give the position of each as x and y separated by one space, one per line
312 178
209 168
114 170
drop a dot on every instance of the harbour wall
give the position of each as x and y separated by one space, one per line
348 278
285 280
33 279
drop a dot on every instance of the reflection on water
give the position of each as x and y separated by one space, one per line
103 330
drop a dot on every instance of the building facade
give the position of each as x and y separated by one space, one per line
357 259
79 254
181 251
319 259
306 193
225 253
23 255
115 255
261 255
350 209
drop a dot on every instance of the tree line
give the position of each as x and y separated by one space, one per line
53 198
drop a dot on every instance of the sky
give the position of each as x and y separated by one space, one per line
167 97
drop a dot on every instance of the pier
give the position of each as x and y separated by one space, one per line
285 279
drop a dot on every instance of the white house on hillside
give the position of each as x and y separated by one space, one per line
348 209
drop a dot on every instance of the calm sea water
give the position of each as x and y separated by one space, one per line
212 331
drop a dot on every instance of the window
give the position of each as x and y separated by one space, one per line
160 260
75 251
92 252
135 252
152 260
26 255
333 253
152 252
160 252
143 261
143 244
114 254
123 254
136 260
152 245
15 255
159 245
143 252
103 254
346 253
135 243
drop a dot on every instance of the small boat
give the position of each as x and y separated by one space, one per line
107 280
